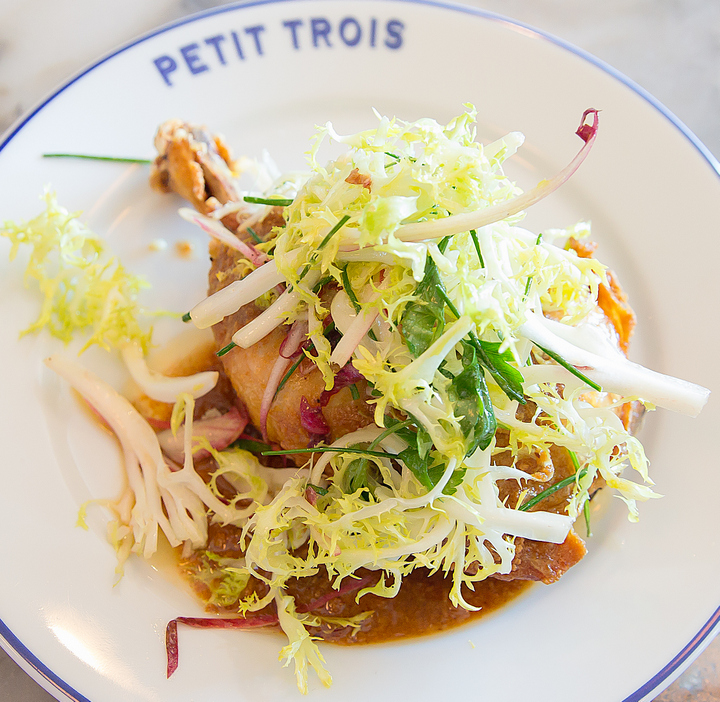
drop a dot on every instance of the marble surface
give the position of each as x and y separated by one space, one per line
670 47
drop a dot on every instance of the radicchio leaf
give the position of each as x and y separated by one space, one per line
312 419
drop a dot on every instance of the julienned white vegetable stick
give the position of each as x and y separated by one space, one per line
538 526
161 387
342 311
360 326
135 434
437 228
230 299
273 316
618 374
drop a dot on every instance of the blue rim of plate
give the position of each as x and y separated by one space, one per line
711 627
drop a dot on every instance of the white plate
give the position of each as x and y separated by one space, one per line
619 626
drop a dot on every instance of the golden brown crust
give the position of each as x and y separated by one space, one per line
193 164
249 370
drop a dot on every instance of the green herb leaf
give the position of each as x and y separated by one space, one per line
471 400
429 470
436 472
423 321
419 466
361 474
508 377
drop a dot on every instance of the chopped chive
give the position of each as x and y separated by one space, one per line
226 349
348 289
530 277
253 234
551 490
287 375
444 244
586 514
330 449
91 157
448 301
250 445
391 430
279 201
572 369
354 392
586 506
327 238
305 271
322 283
474 236
186 317
341 222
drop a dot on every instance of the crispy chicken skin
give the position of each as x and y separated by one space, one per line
194 164
249 370
198 167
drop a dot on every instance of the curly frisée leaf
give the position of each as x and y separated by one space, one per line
85 288
301 649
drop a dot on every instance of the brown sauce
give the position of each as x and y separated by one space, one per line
422 605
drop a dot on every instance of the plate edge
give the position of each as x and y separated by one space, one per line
12 644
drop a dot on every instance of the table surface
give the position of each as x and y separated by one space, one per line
669 47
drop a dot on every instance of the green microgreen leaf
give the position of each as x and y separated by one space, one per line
423 321
506 376
471 400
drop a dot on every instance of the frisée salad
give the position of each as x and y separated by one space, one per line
487 391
